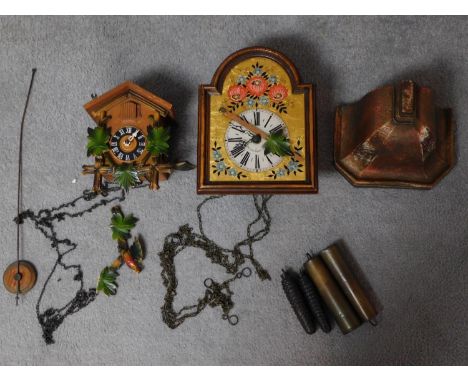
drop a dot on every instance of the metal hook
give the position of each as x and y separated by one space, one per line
232 319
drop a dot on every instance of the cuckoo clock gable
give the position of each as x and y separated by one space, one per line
129 103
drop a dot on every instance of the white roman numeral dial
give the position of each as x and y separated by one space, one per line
245 148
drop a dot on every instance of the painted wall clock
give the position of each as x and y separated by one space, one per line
256 127
130 141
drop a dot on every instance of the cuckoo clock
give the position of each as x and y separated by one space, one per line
129 137
256 127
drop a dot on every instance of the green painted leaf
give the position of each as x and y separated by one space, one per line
278 144
97 141
122 225
107 281
126 176
158 138
136 250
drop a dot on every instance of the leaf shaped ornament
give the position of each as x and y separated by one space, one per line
107 281
126 176
122 225
98 139
278 144
158 141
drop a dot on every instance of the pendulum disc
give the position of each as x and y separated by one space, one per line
26 277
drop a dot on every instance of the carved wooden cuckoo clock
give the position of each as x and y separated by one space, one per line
131 140
256 127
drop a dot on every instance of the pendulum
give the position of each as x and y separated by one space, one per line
20 276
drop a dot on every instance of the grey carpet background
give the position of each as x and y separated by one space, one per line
410 245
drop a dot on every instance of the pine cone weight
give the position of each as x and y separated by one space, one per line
313 301
293 293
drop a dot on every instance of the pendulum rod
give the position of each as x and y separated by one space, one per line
20 188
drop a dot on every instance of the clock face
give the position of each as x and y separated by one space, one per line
257 91
127 144
246 149
256 127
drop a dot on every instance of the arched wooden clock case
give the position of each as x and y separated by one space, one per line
261 85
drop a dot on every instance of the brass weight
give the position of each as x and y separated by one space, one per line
349 284
331 294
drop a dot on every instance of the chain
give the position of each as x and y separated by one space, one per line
217 294
44 221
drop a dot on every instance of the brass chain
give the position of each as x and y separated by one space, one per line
217 294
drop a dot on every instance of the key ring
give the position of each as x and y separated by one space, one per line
208 283
245 272
232 319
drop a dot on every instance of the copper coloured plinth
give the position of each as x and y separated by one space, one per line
394 137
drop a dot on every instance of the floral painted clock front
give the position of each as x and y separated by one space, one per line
256 127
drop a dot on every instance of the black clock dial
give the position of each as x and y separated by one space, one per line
128 144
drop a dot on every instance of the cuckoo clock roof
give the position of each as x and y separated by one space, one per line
121 94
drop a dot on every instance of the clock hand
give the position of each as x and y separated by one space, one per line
131 138
245 143
253 129
243 123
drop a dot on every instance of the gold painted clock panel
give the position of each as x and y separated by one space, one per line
254 94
